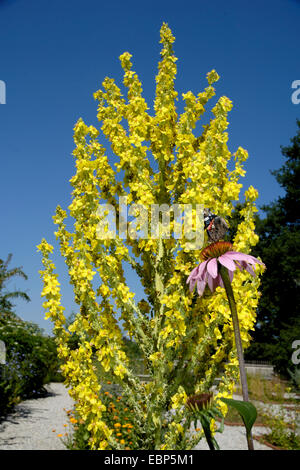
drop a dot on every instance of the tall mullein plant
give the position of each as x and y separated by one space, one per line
185 343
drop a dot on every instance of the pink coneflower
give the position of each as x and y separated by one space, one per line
208 271
217 269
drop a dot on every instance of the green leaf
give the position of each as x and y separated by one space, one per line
155 419
246 410
205 423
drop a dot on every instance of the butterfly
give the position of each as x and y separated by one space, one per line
215 226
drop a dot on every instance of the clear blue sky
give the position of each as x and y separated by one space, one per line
54 55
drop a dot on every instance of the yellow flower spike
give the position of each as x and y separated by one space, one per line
160 158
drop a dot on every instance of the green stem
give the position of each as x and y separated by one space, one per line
238 342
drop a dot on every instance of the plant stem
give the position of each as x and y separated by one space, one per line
238 342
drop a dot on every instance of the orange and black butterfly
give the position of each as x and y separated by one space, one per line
215 226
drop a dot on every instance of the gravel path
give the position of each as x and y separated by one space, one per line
234 438
34 425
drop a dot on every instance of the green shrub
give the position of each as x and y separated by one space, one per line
281 434
295 377
31 362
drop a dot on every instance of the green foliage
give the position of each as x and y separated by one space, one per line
6 274
79 440
278 322
295 377
132 349
281 434
74 339
31 362
31 356
206 416
246 410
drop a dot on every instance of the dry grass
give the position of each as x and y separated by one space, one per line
266 391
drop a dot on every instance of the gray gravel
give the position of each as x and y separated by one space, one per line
35 424
234 438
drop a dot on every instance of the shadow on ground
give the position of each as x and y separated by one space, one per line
23 411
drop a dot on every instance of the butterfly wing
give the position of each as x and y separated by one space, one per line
218 229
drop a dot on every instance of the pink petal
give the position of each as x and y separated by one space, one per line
192 284
210 282
243 257
202 270
193 274
212 267
219 280
248 268
227 262
200 286
239 265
